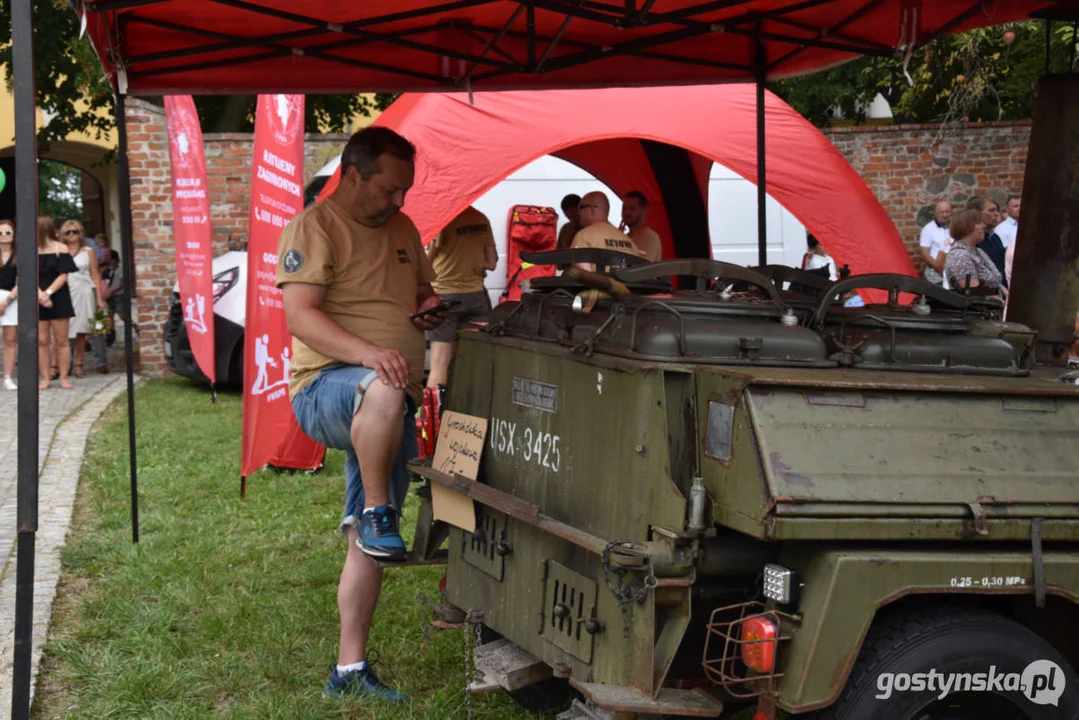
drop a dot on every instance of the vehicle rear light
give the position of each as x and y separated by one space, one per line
759 644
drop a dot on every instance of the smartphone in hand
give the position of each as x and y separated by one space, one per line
449 304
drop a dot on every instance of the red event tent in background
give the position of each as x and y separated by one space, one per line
464 150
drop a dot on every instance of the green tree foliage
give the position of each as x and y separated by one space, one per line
70 83
72 89
981 75
59 190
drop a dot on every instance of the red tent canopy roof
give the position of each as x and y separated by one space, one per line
330 46
464 150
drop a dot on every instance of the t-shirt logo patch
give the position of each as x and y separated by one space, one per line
402 256
293 261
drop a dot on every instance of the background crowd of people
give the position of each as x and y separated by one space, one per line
972 248
79 287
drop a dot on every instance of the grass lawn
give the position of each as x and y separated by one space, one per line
227 607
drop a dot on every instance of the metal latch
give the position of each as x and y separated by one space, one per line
980 524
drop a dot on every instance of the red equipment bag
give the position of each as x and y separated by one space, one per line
530 229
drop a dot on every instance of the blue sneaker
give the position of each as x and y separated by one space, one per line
359 682
378 535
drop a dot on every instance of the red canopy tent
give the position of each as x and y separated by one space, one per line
464 150
328 46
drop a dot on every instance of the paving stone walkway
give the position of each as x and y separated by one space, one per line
65 420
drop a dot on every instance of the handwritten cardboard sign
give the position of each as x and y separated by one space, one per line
460 445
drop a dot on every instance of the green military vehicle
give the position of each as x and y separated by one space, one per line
734 498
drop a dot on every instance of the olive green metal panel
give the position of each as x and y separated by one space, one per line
845 588
907 449
516 607
730 467
588 446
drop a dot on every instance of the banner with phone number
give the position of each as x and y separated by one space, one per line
191 228
270 432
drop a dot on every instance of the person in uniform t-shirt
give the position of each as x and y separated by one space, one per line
461 255
353 272
597 232
934 243
634 209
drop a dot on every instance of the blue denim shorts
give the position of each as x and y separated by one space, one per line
324 409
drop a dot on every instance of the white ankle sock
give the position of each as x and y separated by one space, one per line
342 669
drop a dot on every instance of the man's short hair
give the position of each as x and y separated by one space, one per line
366 146
571 201
1014 197
638 196
978 202
811 241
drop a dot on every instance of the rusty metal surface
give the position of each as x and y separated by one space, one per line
510 505
904 449
686 703
1045 275
845 587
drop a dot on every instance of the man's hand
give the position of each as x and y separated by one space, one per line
429 322
391 366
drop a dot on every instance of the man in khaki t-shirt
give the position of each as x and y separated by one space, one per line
461 256
353 273
597 232
634 209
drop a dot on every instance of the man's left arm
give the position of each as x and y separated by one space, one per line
490 252
426 297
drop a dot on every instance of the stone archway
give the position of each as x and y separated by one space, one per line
94 184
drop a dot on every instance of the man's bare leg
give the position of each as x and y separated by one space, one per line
376 438
357 596
441 355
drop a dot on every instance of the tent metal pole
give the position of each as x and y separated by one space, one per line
22 34
762 182
128 251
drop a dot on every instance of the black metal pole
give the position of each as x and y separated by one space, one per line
128 251
22 60
762 182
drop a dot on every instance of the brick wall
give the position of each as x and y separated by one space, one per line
228 176
910 167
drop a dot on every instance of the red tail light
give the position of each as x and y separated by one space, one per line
759 644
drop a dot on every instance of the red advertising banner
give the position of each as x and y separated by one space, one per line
191 228
270 432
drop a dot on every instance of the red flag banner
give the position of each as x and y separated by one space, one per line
191 228
270 432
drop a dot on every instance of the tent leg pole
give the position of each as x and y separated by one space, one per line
762 183
128 251
27 414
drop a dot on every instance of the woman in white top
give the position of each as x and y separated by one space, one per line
85 290
817 257
9 306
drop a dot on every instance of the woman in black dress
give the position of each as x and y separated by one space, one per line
54 298
9 311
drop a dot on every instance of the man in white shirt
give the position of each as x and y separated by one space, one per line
935 242
1009 228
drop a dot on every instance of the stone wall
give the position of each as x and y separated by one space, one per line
228 175
908 167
